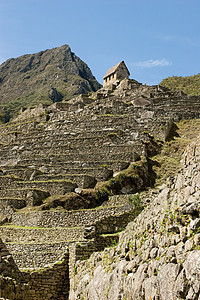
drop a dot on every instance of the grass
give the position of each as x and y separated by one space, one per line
136 201
34 89
189 85
44 181
43 243
112 115
110 234
18 123
40 228
112 134
37 208
167 162
10 198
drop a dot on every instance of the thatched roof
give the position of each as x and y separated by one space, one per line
113 69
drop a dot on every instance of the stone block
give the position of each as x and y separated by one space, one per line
35 197
197 239
189 244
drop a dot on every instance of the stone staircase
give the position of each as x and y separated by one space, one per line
83 150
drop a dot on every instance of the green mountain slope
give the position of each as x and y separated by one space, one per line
45 77
189 85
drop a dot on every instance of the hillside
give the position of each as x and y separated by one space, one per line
45 77
98 199
189 85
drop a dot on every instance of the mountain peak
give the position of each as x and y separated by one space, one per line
26 80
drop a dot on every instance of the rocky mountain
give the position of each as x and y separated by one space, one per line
189 84
45 77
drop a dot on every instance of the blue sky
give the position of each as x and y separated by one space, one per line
155 38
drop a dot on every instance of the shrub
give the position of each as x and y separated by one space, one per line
136 201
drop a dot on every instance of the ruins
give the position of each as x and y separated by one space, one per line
116 74
68 148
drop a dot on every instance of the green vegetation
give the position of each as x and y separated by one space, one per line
136 201
189 85
112 134
137 175
167 162
107 291
110 234
75 271
104 166
29 100
101 195
44 181
13 226
46 77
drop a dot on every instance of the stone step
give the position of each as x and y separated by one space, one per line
81 180
99 149
83 130
24 125
56 186
8 181
78 122
175 101
94 119
37 255
29 196
40 159
106 240
112 155
80 144
101 174
67 135
16 203
23 172
101 152
84 181
60 165
178 105
74 218
71 143
17 234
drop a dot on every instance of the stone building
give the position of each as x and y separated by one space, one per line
118 72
